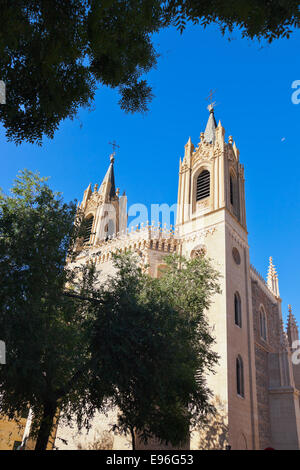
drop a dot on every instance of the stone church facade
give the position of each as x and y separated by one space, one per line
256 384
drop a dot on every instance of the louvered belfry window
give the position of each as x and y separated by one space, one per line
88 230
203 185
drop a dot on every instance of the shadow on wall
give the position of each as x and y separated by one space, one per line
102 441
214 435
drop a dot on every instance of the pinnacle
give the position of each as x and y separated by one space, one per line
291 316
272 279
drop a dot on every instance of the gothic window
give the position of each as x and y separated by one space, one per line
234 194
88 229
203 185
236 255
263 324
240 376
237 310
231 191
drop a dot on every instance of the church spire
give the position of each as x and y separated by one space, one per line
108 188
272 279
292 328
210 130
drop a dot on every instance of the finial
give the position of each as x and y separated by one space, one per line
230 139
272 279
118 191
112 157
95 187
291 317
292 327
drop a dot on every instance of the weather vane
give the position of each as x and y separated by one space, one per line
212 103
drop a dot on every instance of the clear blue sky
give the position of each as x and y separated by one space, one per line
254 104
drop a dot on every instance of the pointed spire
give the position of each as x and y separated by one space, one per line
272 279
210 130
108 188
292 328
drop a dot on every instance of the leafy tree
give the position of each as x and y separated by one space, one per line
73 348
46 333
54 53
160 346
269 19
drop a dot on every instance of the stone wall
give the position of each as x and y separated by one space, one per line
261 297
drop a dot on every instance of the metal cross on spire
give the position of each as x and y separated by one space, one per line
212 103
114 146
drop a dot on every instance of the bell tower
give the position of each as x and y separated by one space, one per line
211 219
103 209
211 176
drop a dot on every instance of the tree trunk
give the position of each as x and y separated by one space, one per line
132 437
46 426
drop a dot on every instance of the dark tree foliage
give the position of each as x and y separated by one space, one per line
54 53
73 348
46 333
159 345
261 19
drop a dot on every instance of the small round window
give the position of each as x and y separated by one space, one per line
236 255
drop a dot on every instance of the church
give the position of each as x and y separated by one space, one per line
256 386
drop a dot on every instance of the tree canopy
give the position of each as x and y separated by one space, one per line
44 331
55 53
78 346
159 346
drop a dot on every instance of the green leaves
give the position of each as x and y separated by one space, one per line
152 340
55 53
138 343
44 331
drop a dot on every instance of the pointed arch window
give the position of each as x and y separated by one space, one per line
240 377
203 185
263 324
88 229
237 310
231 191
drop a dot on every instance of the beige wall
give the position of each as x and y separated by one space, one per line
10 431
